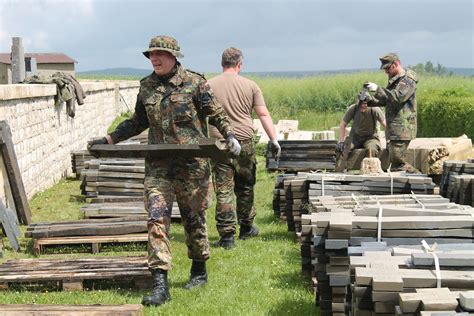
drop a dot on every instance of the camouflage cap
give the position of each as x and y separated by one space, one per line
388 60
166 43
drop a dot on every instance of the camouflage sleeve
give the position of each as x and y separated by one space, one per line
210 107
132 126
398 96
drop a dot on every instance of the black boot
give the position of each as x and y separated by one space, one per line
198 275
160 293
247 231
226 242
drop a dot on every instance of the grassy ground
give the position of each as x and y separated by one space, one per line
261 276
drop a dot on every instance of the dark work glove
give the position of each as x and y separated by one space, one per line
275 149
233 144
96 141
340 147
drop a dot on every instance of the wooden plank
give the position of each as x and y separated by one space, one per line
10 226
71 310
14 174
206 148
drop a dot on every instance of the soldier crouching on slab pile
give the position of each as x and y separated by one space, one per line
399 100
363 131
174 103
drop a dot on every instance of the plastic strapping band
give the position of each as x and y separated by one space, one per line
355 199
432 251
379 226
322 185
391 179
413 195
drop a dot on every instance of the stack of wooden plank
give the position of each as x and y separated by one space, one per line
303 155
75 274
78 161
457 181
115 187
279 196
94 232
79 158
296 195
350 226
121 177
404 281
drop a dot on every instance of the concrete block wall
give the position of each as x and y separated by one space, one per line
44 136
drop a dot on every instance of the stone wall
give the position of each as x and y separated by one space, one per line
43 134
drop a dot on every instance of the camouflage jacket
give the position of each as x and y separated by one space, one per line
399 98
174 110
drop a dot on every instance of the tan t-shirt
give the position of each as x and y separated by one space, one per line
238 96
367 121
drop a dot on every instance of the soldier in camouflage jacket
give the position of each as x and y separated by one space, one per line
174 104
399 99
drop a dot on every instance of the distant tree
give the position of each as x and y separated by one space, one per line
440 70
418 68
429 68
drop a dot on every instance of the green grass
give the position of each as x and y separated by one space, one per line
261 276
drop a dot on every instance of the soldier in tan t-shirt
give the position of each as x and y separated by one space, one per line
239 97
363 132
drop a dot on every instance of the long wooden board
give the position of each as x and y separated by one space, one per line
14 174
206 148
70 310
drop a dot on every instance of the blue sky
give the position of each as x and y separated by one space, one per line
274 35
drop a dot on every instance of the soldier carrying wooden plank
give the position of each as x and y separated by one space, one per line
174 103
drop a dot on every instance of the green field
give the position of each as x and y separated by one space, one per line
318 102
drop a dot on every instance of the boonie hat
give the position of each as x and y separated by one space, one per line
166 43
388 59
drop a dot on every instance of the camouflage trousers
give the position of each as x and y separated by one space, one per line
188 181
397 154
371 144
235 176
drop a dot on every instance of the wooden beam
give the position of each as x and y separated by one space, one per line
206 148
14 174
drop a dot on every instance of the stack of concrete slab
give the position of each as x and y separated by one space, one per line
303 155
404 281
332 184
344 227
457 181
322 184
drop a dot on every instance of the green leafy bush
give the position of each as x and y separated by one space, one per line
446 113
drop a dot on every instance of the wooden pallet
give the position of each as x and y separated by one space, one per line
71 310
95 241
88 227
75 274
